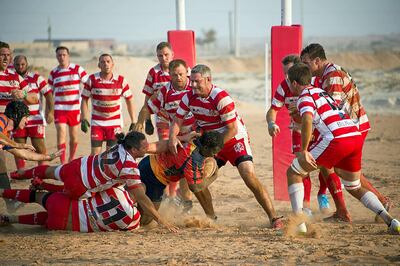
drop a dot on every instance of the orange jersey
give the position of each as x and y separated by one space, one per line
3 129
188 164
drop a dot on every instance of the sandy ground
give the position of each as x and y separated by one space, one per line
242 234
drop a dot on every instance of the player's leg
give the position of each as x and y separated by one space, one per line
205 200
5 183
37 135
20 163
25 196
335 188
41 171
295 174
186 195
61 139
154 189
247 172
73 141
352 184
296 147
322 198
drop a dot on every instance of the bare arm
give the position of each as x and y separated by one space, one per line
131 109
33 156
148 206
6 141
49 108
85 108
273 128
29 98
231 130
173 133
143 115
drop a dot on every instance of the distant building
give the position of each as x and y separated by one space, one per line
81 45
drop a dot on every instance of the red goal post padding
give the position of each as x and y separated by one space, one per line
183 44
284 40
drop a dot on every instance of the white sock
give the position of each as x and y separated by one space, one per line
372 202
296 194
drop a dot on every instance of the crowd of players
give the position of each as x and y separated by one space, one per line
199 130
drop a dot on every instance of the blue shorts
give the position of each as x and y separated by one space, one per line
154 188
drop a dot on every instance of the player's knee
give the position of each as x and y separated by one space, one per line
351 186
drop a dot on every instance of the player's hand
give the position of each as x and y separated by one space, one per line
307 161
273 129
56 154
85 125
138 127
172 228
26 146
18 94
132 126
50 117
173 144
189 136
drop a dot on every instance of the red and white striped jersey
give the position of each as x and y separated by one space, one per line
106 99
283 96
212 113
113 167
329 121
156 78
109 210
340 85
10 80
168 99
38 85
64 83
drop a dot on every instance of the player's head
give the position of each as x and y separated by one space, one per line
5 55
21 64
288 61
18 112
134 142
106 63
62 54
314 56
178 72
164 54
299 76
211 143
200 80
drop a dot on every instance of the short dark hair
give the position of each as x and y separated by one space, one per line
300 73
292 58
4 45
314 50
130 140
211 142
102 55
16 110
62 48
162 45
175 63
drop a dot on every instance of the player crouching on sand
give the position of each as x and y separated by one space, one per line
194 161
336 142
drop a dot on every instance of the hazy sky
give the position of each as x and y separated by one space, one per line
125 20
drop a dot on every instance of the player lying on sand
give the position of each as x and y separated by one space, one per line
109 210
